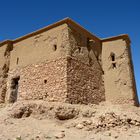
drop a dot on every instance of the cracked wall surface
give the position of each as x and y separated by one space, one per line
4 68
118 73
85 84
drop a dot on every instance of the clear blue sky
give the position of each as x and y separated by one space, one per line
104 18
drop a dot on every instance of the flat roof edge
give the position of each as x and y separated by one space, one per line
5 42
65 20
122 36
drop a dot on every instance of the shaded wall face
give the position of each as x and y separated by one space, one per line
82 42
84 74
118 77
84 83
4 67
39 63
2 78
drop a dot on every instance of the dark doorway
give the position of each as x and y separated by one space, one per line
14 89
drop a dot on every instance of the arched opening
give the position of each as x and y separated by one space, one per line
113 59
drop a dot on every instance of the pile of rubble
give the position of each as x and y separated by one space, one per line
107 121
88 119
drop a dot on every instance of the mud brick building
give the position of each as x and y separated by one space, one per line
64 62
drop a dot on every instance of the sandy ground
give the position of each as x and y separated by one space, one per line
42 121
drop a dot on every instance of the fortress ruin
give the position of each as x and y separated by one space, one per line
63 62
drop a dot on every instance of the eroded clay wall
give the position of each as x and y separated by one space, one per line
83 40
84 73
40 47
4 68
118 73
39 64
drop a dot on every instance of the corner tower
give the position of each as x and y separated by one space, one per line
117 64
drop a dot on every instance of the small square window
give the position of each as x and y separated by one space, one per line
54 47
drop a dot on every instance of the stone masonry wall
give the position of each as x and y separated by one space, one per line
85 83
46 80
71 73
48 45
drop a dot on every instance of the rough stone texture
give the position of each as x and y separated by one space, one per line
48 120
84 83
75 78
41 81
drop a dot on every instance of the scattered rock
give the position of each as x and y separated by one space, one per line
60 135
65 113
107 133
79 126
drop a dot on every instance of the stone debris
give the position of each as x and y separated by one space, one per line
65 113
105 121
60 135
79 126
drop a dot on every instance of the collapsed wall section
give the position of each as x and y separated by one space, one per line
118 72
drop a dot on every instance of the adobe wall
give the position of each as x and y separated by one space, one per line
40 81
71 73
4 67
84 73
41 67
118 73
79 38
40 47
84 83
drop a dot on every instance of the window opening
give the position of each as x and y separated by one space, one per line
54 47
17 60
14 88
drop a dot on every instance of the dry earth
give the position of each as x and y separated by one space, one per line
38 120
